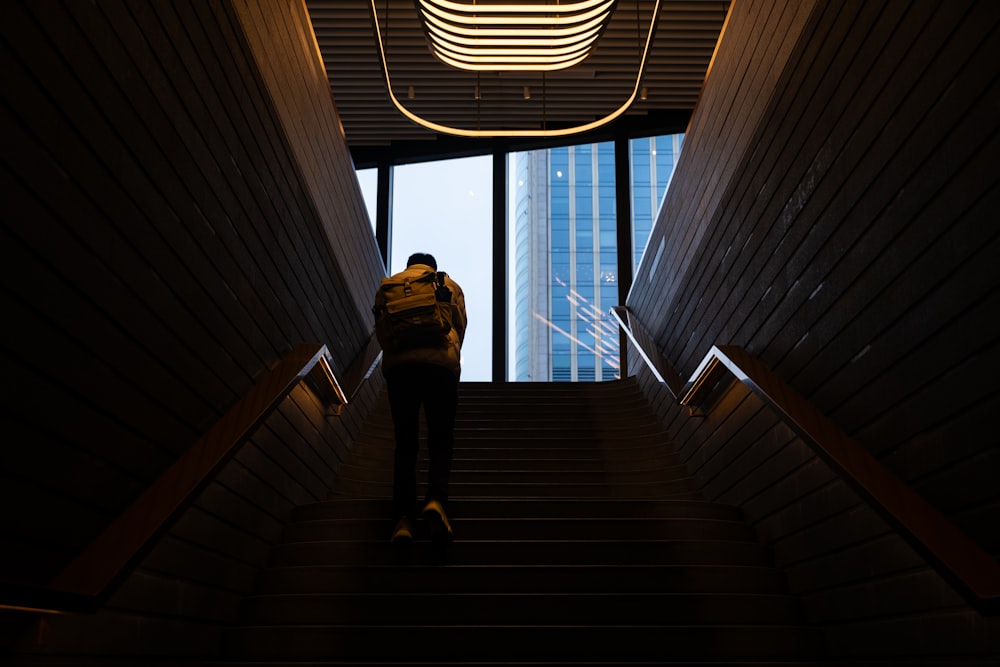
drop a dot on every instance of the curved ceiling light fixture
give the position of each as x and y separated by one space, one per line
589 5
510 37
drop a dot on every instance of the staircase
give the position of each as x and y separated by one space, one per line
579 539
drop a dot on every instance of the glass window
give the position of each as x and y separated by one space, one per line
445 208
570 229
562 249
652 164
368 180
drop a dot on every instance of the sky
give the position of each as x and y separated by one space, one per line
445 208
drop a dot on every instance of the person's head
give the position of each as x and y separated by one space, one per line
422 258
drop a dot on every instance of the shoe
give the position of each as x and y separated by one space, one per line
403 533
437 521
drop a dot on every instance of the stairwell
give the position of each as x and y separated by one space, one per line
579 539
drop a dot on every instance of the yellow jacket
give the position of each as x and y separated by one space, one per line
449 356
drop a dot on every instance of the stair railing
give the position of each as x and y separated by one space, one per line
973 572
89 579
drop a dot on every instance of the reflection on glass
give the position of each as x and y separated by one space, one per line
565 253
652 164
564 247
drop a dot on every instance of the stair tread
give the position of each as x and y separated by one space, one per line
533 642
578 540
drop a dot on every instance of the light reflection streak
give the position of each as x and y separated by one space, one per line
606 346
613 363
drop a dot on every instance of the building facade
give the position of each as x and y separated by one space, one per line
565 244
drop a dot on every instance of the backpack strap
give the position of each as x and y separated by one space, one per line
442 292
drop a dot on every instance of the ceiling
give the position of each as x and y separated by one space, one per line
684 35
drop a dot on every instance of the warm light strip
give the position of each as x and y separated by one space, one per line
501 46
459 33
535 8
556 58
32 610
531 64
324 362
514 49
562 132
525 35
519 56
471 40
516 17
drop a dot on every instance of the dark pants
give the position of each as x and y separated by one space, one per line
436 388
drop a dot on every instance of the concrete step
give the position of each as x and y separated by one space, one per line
684 489
342 508
581 430
529 446
537 528
467 551
497 461
481 472
521 642
428 578
612 609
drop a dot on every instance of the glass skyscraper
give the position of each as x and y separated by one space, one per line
565 253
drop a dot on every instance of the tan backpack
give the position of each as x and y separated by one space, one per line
413 311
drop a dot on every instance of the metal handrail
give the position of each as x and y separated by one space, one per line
973 572
91 577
